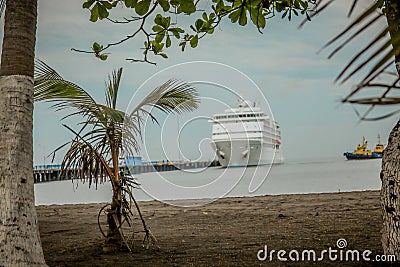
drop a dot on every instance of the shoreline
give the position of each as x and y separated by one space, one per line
227 232
211 200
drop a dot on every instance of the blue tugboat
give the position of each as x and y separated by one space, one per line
363 153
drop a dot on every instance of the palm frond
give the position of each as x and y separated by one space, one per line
112 88
2 7
375 60
353 6
104 128
51 87
85 161
369 59
171 96
357 33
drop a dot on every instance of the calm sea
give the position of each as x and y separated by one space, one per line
336 175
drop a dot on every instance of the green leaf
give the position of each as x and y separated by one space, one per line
103 12
234 16
163 55
88 4
257 18
159 37
176 32
186 6
157 29
285 13
165 22
194 41
164 4
253 16
97 47
158 19
220 6
94 13
210 31
103 57
261 21
157 47
304 4
238 3
168 41
174 3
199 23
130 3
254 3
183 45
142 7
243 17
107 4
296 4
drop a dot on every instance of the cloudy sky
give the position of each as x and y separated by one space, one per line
283 63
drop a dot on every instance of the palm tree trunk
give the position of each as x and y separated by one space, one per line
390 174
19 235
390 194
114 214
114 219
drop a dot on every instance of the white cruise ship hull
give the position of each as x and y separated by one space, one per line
246 136
237 153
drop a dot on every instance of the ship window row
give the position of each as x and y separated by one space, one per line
241 131
236 132
239 116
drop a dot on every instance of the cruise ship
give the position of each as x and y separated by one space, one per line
246 136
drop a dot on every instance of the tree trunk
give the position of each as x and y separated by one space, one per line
114 238
19 236
114 220
390 194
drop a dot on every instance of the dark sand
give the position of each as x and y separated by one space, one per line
228 232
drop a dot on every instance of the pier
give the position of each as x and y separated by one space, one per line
51 172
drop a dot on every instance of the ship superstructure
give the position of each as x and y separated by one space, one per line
246 136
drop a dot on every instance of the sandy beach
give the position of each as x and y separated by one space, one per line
227 232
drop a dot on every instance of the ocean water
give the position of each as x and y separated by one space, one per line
201 186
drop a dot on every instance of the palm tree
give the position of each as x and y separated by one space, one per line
107 132
19 236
